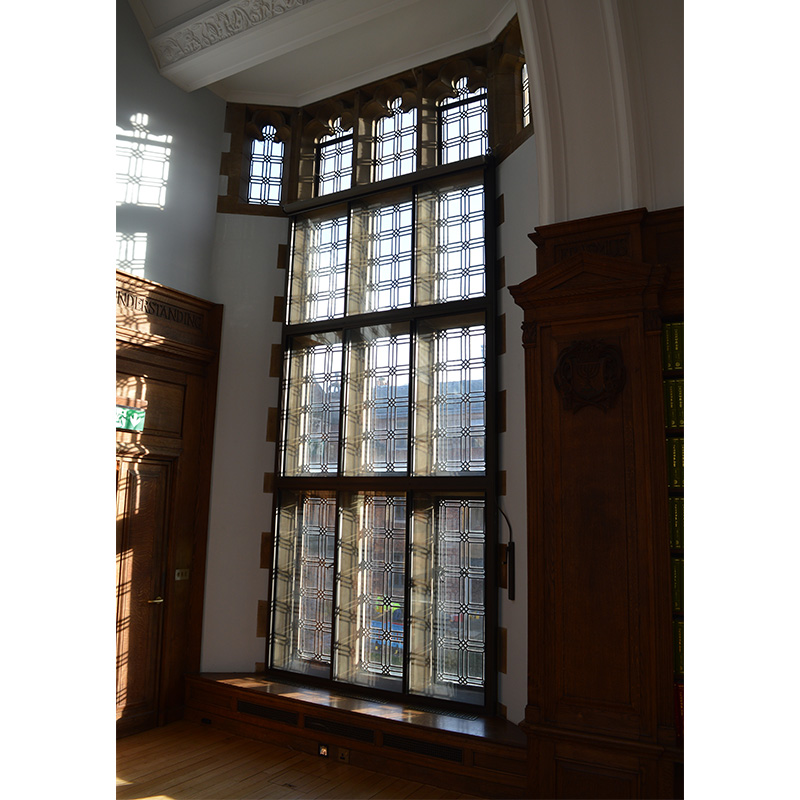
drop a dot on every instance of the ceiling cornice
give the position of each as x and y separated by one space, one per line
263 51
229 20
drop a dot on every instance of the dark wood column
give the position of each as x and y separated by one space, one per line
600 718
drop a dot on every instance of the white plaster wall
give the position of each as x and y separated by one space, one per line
517 181
607 95
658 28
245 278
179 236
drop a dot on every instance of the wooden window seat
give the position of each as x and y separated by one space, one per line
478 755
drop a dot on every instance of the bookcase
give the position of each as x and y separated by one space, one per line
672 366
604 435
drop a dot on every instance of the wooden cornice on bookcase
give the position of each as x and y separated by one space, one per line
586 277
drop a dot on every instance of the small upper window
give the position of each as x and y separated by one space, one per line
526 97
335 160
463 124
396 142
266 169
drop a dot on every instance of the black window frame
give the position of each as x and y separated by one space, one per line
485 484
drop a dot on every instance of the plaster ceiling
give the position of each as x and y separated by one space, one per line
294 52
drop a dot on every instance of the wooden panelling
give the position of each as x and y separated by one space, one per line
598 718
167 355
164 415
143 493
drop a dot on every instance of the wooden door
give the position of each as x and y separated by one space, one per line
143 488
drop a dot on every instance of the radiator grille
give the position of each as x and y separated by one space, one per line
423 748
340 729
275 714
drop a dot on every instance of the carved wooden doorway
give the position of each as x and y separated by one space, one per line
166 385
143 492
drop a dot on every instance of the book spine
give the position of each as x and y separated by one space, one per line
679 710
673 403
672 346
677 585
675 463
676 523
677 640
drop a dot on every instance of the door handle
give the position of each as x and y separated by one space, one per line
157 600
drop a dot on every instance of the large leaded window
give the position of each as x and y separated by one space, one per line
382 575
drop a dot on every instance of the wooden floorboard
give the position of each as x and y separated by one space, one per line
187 761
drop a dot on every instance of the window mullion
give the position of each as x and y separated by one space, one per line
337 538
407 587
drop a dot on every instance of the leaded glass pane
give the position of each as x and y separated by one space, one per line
450 397
447 655
311 406
370 590
451 254
317 276
266 169
335 155
463 124
376 401
396 143
380 256
303 577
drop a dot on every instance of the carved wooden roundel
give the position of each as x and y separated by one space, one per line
589 373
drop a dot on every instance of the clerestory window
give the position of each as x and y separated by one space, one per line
396 142
335 160
266 169
463 129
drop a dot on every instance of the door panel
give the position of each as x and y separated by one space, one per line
142 503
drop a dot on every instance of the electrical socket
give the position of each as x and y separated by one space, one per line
343 755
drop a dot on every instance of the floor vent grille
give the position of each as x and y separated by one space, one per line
340 729
423 748
275 714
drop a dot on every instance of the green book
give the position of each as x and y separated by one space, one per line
675 463
677 641
672 345
673 403
677 585
676 523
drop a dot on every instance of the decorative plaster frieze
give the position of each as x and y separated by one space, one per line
230 20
